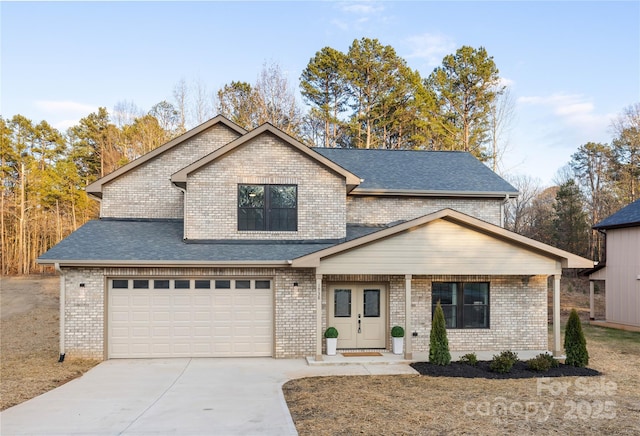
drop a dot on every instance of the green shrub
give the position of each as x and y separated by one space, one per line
542 362
438 342
503 362
397 332
575 345
331 332
469 359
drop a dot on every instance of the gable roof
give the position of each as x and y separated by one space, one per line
95 188
180 178
628 216
160 242
568 260
413 172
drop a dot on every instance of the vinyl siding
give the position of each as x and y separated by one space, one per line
623 272
440 247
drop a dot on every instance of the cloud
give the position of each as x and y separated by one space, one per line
504 81
574 110
64 113
430 47
357 14
65 106
365 8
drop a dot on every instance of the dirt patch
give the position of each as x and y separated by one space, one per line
29 346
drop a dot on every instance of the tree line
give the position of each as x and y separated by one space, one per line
597 181
366 97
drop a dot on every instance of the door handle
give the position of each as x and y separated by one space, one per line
359 324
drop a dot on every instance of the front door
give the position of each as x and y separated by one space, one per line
359 312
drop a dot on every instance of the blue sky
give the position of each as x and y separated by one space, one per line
572 66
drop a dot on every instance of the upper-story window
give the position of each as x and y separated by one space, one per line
268 207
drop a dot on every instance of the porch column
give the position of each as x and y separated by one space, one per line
408 354
592 307
319 317
557 348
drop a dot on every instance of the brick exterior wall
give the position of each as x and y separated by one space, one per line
518 312
86 313
212 193
518 315
147 191
384 210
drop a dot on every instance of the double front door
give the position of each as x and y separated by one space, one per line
359 312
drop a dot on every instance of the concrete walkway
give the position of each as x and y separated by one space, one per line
175 396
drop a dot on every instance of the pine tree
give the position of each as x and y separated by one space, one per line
575 345
438 342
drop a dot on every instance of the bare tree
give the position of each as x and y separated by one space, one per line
276 102
124 112
518 212
181 98
501 118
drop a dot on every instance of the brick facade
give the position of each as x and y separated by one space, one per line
147 191
517 308
384 210
212 194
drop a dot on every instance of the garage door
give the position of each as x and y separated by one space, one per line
190 318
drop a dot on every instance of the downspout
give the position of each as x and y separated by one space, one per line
62 305
502 213
184 205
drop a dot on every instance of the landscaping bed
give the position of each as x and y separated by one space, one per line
482 370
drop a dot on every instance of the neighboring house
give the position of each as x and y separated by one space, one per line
224 242
621 269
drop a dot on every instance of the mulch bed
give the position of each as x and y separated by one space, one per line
481 370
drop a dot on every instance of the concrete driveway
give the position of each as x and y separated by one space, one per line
174 396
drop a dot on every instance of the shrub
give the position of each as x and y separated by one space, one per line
503 362
331 332
542 362
469 359
397 332
438 342
575 345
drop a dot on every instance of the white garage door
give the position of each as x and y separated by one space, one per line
190 318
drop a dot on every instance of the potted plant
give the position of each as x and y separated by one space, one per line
397 334
331 334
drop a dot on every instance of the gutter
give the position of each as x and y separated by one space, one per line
165 263
62 305
433 193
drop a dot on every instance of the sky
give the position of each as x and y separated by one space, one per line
571 66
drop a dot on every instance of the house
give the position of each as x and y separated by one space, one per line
224 242
621 269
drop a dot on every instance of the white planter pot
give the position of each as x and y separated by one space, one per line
332 344
398 345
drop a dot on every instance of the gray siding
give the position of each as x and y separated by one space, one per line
623 276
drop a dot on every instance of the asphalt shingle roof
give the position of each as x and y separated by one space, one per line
448 171
161 241
628 216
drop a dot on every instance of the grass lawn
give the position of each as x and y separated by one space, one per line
414 405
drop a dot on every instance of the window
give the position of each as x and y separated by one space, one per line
182 284
465 305
268 207
141 284
203 284
223 284
120 284
243 284
263 284
161 284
